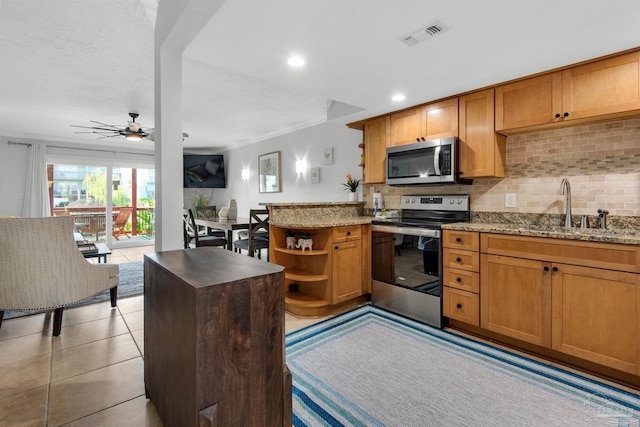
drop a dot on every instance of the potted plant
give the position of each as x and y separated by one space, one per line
352 186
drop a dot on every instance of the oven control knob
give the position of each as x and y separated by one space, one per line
459 202
451 202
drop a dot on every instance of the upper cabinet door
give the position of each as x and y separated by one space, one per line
441 119
406 127
605 87
529 102
376 141
482 150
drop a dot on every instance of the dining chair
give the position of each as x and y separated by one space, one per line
209 212
257 236
120 222
193 236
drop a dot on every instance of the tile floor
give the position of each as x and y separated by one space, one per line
91 375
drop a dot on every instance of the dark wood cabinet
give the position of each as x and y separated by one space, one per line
214 339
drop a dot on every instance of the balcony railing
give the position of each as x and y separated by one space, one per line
91 221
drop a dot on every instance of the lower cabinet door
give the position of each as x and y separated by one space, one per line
347 276
596 315
515 298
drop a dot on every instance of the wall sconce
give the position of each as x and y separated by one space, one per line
245 174
301 166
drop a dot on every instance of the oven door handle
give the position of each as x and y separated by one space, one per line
410 231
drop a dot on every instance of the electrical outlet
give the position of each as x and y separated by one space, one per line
510 200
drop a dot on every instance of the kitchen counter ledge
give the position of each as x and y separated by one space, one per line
321 223
622 236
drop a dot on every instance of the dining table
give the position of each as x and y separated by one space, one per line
229 225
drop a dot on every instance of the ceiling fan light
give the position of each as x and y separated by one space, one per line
133 137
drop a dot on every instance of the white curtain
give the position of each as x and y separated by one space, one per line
36 190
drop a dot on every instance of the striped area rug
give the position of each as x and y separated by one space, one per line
369 367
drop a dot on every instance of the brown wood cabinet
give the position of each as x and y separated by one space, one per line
482 150
601 89
432 121
347 261
596 315
461 281
406 127
214 352
516 298
335 272
376 138
578 298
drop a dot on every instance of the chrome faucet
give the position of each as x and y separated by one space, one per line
565 184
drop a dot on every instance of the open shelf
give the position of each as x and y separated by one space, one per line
299 275
302 300
313 252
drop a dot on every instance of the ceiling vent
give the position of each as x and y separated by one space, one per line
423 34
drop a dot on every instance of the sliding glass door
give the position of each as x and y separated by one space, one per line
112 204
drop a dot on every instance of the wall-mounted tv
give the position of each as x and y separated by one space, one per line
204 171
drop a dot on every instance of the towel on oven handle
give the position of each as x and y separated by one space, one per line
428 244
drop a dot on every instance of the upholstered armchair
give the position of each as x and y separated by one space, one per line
42 268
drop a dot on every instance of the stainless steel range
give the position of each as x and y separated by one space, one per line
406 255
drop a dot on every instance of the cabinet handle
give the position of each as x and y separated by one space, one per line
348 233
458 240
458 305
422 137
557 115
555 268
565 114
459 279
417 139
458 260
546 269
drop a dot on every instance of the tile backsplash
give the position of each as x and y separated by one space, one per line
601 162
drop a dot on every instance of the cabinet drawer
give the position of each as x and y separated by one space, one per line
463 260
461 279
611 256
347 232
461 305
469 240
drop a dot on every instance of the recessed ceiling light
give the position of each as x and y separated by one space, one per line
296 61
398 97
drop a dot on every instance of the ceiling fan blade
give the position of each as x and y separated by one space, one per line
95 127
104 124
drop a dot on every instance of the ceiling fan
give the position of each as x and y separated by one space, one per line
133 131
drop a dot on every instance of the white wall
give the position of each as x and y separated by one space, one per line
307 144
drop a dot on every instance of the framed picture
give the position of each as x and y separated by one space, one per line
269 172
327 156
315 175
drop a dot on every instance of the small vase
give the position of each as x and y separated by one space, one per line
232 209
353 196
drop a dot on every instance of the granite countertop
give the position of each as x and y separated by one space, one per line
321 223
622 235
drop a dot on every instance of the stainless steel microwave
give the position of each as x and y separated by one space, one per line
432 162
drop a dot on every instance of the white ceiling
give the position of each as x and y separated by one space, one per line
66 62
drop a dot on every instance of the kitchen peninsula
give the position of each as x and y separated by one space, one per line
333 270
